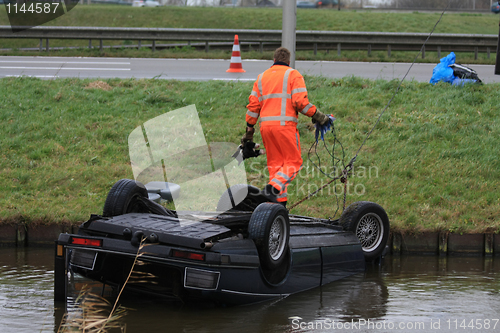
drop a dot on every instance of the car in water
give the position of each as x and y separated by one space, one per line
205 234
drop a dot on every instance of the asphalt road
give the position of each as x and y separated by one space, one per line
204 70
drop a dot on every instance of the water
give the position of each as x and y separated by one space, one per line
406 294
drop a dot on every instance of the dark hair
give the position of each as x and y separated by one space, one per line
282 54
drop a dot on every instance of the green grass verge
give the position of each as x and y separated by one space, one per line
254 18
431 162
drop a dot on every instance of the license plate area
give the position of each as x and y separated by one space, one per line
83 258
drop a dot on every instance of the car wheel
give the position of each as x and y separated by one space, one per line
241 195
369 222
269 227
124 197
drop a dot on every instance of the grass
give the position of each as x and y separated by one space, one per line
251 18
431 162
93 314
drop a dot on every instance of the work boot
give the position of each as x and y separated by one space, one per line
270 193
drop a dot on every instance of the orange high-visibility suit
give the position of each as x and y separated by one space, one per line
278 95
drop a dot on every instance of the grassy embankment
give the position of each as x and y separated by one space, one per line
432 161
255 18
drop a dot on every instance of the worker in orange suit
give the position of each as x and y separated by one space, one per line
278 96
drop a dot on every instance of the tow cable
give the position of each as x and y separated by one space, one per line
348 168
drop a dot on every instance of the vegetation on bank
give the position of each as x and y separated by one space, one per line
254 18
431 162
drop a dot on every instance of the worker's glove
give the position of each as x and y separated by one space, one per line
322 129
320 118
248 135
250 149
247 150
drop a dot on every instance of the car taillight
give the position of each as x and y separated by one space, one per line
86 241
188 255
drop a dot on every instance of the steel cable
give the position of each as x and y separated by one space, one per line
347 168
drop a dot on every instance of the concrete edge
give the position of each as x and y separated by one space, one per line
427 243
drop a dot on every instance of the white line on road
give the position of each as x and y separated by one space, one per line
66 62
68 68
40 76
222 79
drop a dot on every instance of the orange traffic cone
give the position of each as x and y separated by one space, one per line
235 65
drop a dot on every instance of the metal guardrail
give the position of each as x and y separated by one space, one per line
305 39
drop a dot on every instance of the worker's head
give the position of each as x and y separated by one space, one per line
282 54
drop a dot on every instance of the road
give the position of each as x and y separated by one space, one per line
204 70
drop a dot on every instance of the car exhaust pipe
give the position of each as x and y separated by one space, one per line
206 245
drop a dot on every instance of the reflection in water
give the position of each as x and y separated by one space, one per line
26 283
407 291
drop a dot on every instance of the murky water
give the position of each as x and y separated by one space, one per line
406 294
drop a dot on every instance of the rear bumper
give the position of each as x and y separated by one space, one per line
229 274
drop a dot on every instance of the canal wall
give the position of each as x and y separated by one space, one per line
429 243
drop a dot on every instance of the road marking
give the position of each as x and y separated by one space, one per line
69 68
40 76
66 62
223 79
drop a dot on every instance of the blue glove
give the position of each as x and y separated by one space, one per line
324 128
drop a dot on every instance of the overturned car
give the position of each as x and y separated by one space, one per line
235 249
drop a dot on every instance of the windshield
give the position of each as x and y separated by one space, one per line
172 148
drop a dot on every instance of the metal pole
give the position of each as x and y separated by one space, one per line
497 65
60 276
288 28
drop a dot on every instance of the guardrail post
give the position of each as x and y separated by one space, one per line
139 44
423 52
476 51
369 49
41 45
261 47
407 41
153 47
207 47
315 48
389 50
47 45
100 45
488 51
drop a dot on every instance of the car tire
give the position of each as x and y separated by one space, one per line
124 197
240 193
269 227
369 222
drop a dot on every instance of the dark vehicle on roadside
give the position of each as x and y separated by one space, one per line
305 4
495 8
326 3
224 242
265 3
